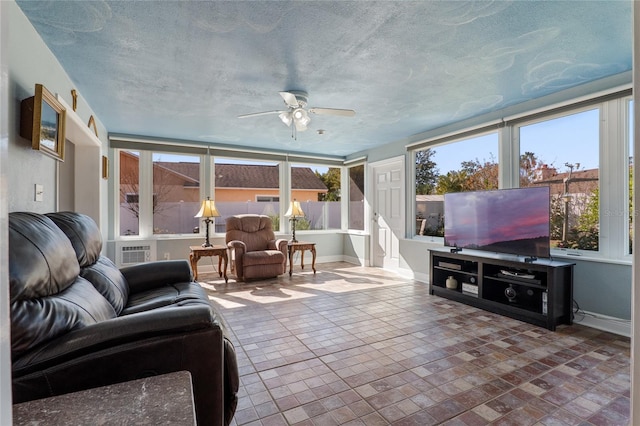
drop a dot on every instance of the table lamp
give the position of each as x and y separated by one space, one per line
294 212
208 210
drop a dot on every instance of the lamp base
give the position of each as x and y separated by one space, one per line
207 243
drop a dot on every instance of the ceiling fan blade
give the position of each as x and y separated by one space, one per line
256 114
289 99
333 111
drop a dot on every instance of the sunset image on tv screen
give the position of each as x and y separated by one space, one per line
507 221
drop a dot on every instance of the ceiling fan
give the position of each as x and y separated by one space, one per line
296 114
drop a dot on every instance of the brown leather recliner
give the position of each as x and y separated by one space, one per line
255 252
79 322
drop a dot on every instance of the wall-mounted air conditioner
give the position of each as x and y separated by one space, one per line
132 252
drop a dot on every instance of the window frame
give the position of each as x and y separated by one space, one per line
464 136
207 185
613 148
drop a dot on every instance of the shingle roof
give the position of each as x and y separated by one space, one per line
250 175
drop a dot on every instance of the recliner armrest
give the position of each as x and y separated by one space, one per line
126 329
282 245
146 276
237 245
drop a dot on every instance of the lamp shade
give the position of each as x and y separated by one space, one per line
208 209
294 210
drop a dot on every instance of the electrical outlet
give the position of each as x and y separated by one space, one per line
166 256
39 192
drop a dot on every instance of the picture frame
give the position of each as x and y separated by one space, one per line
42 120
105 167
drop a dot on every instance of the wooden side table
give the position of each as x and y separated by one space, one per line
301 247
198 251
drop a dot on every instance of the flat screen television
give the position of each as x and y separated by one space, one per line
514 221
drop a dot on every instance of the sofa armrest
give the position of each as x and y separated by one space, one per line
238 246
146 276
118 331
282 245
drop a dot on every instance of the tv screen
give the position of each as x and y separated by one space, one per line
514 221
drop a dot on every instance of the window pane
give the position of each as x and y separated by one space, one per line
465 165
176 193
563 153
129 187
356 197
243 187
317 188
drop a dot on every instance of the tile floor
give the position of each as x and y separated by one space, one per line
361 346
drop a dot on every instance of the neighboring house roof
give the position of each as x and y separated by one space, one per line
249 175
187 178
265 176
191 170
581 181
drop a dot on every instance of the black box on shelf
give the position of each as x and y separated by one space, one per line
450 265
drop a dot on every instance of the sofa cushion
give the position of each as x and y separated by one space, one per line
266 257
38 320
166 296
42 261
109 281
83 233
48 298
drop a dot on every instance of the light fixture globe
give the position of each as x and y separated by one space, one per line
286 118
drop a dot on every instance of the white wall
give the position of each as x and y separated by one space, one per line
31 62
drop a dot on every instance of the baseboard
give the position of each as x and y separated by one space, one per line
422 277
353 260
613 325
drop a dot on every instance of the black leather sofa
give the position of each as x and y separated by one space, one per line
78 322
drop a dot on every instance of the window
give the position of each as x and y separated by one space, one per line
267 199
563 153
464 165
129 190
317 189
176 193
356 197
244 186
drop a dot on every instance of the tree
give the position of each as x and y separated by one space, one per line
529 163
426 172
331 179
480 176
453 181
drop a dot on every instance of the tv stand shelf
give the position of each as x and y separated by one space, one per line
538 292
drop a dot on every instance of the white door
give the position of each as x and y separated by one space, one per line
388 213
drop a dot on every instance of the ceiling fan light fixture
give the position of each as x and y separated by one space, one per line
286 118
301 117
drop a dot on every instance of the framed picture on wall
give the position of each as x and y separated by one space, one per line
42 120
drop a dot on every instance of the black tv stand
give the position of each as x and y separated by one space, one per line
537 291
530 259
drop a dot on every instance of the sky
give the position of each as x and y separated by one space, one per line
553 141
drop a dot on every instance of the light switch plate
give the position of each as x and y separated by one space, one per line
39 192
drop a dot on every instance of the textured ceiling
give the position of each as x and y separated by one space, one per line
186 70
